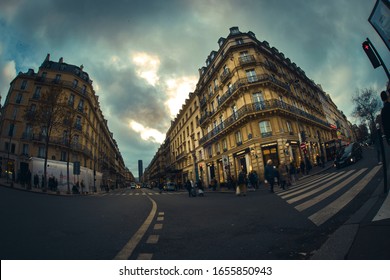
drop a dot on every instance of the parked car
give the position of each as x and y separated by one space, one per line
348 155
170 187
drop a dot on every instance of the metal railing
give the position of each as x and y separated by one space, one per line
258 107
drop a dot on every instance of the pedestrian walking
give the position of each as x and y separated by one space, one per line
376 141
199 184
253 179
189 188
242 182
161 186
36 181
283 174
385 115
293 173
302 167
308 165
269 175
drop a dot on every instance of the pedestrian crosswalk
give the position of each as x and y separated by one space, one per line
324 195
134 193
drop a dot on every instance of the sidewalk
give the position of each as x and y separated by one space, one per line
9 184
366 235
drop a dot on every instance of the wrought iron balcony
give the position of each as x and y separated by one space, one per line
258 107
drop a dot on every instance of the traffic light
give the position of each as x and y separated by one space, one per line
371 55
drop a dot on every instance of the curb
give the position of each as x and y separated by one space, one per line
340 242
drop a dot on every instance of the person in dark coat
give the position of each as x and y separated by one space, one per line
242 182
269 175
385 115
36 181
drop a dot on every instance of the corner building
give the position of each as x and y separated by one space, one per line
256 105
22 145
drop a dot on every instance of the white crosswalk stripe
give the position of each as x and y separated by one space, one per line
139 193
317 193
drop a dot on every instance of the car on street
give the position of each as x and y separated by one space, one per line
170 186
133 185
349 155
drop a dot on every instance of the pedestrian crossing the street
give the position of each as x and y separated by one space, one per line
324 195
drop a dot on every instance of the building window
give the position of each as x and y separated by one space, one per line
224 145
289 128
58 78
24 84
238 138
234 112
75 83
251 75
78 123
15 113
19 98
11 130
37 93
239 41
265 128
258 100
7 147
80 107
218 148
28 131
25 149
71 100
41 152
44 131
210 151
215 84
63 156
33 107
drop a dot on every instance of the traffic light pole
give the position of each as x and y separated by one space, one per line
380 59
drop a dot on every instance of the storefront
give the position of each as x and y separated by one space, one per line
242 160
270 151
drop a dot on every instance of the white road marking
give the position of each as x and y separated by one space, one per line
331 209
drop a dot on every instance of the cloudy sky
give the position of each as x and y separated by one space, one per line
144 56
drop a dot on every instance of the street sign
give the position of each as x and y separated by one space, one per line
303 146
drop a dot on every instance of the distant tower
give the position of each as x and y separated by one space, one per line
140 170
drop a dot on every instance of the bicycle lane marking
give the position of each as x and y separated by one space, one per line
128 249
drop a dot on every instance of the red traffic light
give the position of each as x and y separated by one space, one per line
371 55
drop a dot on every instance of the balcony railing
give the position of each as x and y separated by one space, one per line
60 141
258 107
247 59
225 74
243 82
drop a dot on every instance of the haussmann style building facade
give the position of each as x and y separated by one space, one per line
92 150
252 104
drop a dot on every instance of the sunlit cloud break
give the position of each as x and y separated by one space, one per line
147 67
178 90
146 133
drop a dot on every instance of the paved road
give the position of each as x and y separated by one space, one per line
288 224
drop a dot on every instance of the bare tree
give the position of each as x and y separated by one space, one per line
71 128
48 115
367 105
